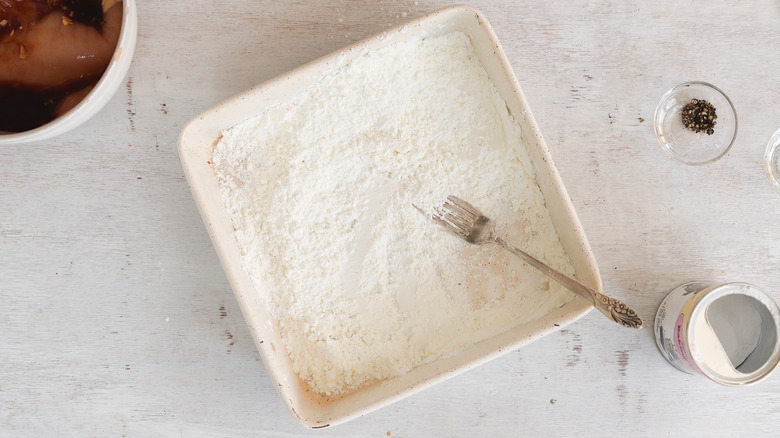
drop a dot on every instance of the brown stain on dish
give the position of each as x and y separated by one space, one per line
622 358
474 285
222 312
324 399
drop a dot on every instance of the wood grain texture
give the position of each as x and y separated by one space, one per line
117 319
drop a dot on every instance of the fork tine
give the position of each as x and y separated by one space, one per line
459 210
462 218
452 228
464 205
449 218
459 221
456 216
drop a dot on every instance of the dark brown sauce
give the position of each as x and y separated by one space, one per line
89 12
18 13
25 106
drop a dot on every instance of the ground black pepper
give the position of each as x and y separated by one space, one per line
699 116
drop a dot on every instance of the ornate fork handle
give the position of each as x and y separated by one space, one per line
617 310
467 222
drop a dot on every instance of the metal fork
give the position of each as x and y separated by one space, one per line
465 221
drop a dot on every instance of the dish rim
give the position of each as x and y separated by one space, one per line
192 145
660 115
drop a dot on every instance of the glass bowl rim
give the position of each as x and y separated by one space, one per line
671 92
772 150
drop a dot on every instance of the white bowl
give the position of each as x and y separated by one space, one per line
200 135
100 95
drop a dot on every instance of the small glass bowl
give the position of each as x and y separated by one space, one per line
687 146
772 160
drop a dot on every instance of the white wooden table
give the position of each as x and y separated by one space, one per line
117 320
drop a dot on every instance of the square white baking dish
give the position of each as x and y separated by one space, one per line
201 134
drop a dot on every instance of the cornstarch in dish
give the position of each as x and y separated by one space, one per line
320 190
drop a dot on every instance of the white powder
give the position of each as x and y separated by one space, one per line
320 191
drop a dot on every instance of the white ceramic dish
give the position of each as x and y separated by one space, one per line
200 135
100 95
